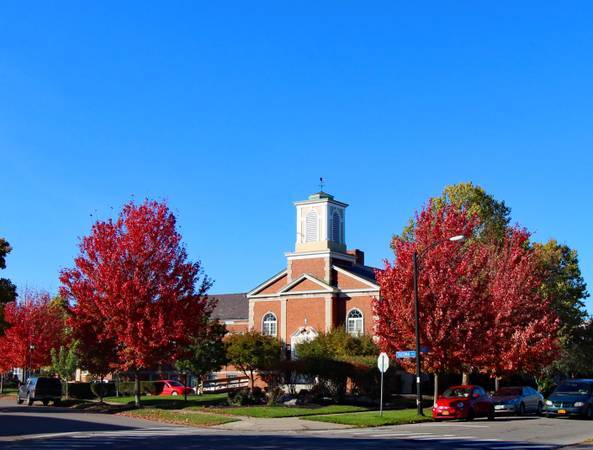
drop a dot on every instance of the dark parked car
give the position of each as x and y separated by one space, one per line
463 402
571 398
41 389
518 400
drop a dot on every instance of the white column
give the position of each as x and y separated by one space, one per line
283 319
328 314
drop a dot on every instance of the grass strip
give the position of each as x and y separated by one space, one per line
173 401
373 419
178 417
286 411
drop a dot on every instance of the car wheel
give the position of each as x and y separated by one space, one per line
45 402
29 400
521 410
540 408
19 400
57 402
589 414
491 414
175 393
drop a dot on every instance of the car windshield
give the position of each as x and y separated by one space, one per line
573 388
457 392
508 391
175 383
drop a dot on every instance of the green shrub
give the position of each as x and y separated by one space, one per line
244 397
102 390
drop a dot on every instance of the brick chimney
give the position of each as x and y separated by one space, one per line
358 254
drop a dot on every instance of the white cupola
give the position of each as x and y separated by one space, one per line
320 224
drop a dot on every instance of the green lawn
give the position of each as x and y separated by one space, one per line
287 411
9 391
173 402
373 419
179 417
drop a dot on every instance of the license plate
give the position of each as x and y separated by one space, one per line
445 413
498 406
561 411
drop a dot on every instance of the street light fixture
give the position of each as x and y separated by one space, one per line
458 238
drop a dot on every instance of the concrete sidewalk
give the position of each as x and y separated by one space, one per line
277 424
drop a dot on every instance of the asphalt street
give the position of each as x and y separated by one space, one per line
39 427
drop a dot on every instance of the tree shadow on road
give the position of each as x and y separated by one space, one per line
20 425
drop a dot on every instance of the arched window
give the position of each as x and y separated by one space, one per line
269 325
311 226
336 227
354 323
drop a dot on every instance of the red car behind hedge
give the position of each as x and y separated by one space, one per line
463 402
173 387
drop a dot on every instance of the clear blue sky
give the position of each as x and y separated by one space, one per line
232 112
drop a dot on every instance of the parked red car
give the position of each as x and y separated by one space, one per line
463 402
172 387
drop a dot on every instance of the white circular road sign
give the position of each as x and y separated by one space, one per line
383 362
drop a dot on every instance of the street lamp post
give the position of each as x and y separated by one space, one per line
416 257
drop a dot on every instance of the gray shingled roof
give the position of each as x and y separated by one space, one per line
366 272
231 306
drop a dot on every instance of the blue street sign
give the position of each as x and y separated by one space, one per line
410 353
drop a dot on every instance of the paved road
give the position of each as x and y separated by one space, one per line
39 428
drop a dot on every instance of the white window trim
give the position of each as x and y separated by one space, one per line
263 320
355 318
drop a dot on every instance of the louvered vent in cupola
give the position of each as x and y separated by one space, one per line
311 227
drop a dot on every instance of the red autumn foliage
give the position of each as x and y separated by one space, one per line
450 288
134 291
521 336
35 326
479 306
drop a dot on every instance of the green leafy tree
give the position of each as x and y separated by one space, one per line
339 345
252 352
7 288
566 290
494 215
206 354
64 362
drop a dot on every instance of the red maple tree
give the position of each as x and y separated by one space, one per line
133 287
479 302
451 290
522 332
35 326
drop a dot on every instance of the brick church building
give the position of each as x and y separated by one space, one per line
324 285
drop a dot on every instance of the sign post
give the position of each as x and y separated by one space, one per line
383 365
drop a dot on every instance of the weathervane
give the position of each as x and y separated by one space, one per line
321 183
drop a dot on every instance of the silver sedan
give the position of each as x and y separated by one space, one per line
518 400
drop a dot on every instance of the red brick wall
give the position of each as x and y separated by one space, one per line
261 308
275 286
306 285
237 327
347 282
315 267
364 304
297 310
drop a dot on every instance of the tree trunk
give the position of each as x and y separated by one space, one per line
117 385
252 379
436 388
136 390
2 384
185 387
465 378
496 383
101 390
